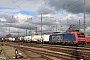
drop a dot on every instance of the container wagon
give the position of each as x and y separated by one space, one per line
6 39
19 39
37 38
27 38
11 39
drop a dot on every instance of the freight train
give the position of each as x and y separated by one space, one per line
70 38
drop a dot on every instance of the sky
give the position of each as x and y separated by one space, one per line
25 15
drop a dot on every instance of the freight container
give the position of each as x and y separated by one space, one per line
2 40
19 39
37 38
46 38
27 39
6 39
11 39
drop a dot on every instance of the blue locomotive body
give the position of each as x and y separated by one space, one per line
70 37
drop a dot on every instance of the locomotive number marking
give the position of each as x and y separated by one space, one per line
57 38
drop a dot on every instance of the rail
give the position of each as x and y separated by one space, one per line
5 54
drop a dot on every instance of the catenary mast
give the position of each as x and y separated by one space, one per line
85 17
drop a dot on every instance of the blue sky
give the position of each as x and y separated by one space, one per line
32 13
22 11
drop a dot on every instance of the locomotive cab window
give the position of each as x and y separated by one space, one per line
81 35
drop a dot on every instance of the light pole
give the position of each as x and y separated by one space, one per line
30 30
79 25
56 27
9 30
30 27
36 29
41 29
26 31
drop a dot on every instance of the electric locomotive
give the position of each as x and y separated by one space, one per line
71 38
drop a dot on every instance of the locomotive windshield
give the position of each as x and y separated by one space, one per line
81 35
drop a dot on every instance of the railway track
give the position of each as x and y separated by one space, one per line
77 52
45 53
51 52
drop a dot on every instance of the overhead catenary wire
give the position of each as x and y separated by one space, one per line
10 9
78 6
68 5
14 2
21 3
20 7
